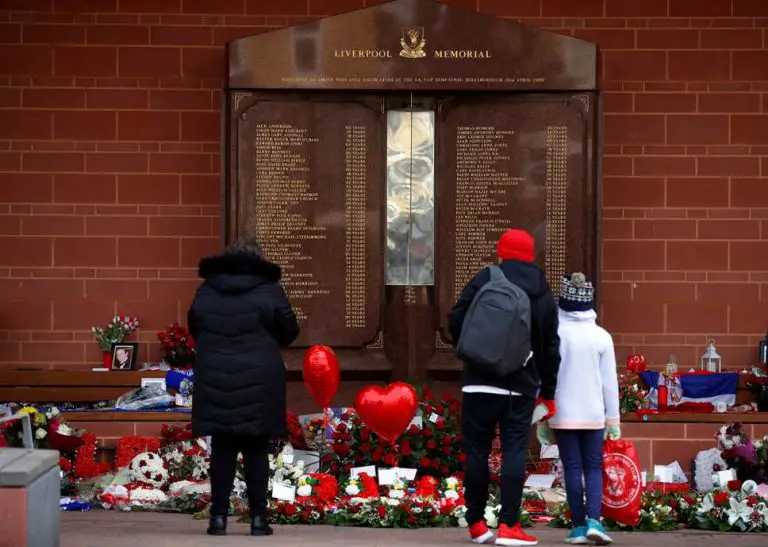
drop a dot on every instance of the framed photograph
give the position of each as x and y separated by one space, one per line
124 355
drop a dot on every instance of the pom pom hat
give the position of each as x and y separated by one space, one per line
576 293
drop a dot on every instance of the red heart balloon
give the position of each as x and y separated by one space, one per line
387 411
322 374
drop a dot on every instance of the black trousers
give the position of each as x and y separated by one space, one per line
224 452
481 413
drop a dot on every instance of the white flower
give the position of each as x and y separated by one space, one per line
727 443
707 505
396 494
352 489
304 490
451 482
462 522
738 510
40 433
757 444
491 518
452 495
393 502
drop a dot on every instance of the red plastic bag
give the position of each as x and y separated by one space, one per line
622 482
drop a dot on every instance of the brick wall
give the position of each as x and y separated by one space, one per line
109 163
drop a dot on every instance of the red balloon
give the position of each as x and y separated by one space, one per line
321 374
387 411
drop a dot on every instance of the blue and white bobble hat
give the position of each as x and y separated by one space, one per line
576 293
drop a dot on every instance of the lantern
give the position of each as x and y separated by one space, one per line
711 361
672 365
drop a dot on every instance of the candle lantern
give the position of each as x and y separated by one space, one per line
672 365
711 361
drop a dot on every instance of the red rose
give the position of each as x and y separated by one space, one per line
721 498
428 410
304 516
342 428
405 448
734 486
444 470
447 398
427 432
447 440
365 434
440 425
381 511
425 462
389 459
431 445
290 510
341 449
365 448
462 458
447 450
358 457
413 430
439 409
752 500
457 439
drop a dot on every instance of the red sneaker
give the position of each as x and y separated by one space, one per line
514 536
479 532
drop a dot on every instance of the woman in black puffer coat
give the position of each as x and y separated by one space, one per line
240 318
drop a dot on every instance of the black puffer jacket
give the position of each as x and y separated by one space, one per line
240 318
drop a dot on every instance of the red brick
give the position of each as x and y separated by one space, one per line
697 255
10 97
27 251
195 248
27 314
200 126
564 8
27 188
741 38
180 163
665 102
85 6
10 33
664 452
695 8
728 229
729 102
118 35
645 317
200 189
728 292
117 99
150 6
749 129
52 225
10 161
286 7
84 252
85 125
520 8
107 162
699 65
707 318
148 126
615 291
747 318
749 256
728 166
148 189
181 99
181 36
107 289
181 226
19 60
10 225
633 255
52 162
634 65
617 102
664 166
749 8
648 8
221 7
750 65
203 63
697 129
333 7
608 38
665 229
54 34
109 225
158 62
83 313
85 61
26 124
53 98
749 192
633 129
84 188
667 39
155 313
52 352
663 292
697 192
141 251
617 228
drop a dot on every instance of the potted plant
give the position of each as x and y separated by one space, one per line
116 332
178 347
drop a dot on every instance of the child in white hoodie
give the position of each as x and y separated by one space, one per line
587 402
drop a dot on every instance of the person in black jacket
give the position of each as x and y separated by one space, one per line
507 402
240 318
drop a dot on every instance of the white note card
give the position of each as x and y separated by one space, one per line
388 477
662 473
369 470
540 481
283 492
418 421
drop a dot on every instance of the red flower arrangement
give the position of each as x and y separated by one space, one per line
175 434
295 432
178 346
85 460
130 446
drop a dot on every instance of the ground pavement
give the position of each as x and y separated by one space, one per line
113 529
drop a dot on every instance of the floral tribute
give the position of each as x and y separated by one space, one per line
178 346
116 331
747 457
632 396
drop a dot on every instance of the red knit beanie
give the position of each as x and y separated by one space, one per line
515 245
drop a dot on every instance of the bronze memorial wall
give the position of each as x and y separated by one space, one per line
378 155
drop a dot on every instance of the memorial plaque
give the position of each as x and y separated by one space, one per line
310 191
512 162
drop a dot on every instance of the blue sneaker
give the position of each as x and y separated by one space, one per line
577 536
596 533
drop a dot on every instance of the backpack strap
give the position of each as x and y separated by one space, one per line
496 272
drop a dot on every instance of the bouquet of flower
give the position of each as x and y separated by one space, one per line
117 330
738 451
632 396
187 460
178 346
738 509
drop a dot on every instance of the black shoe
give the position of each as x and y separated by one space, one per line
260 527
217 526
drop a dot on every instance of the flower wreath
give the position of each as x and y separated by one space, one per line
149 469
